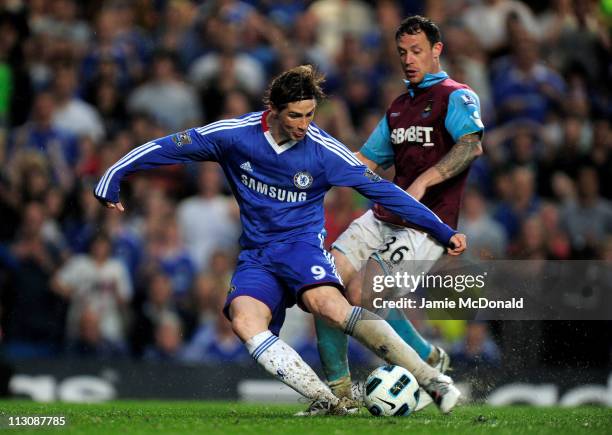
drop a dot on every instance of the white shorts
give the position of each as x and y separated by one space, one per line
394 247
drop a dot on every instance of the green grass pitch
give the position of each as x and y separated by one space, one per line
153 417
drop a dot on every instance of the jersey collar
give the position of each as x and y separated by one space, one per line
266 131
429 80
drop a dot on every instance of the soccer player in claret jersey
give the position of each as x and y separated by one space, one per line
431 134
279 165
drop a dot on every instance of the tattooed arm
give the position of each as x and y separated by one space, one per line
458 159
460 156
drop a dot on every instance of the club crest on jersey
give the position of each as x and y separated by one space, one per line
182 138
372 175
302 180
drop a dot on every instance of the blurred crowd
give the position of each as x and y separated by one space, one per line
81 83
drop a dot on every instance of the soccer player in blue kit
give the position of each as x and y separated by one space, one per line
279 165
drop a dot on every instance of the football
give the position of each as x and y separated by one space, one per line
391 390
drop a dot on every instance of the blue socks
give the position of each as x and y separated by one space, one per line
333 347
333 343
398 321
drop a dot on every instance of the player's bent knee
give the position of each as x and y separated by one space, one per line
246 327
242 327
249 318
328 304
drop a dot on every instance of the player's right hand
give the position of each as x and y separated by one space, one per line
457 244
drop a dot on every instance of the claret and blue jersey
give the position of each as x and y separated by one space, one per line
279 188
419 128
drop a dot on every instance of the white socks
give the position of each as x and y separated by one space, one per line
284 363
378 336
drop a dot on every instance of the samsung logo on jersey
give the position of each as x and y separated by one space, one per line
272 191
412 134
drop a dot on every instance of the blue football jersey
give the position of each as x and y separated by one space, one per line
279 188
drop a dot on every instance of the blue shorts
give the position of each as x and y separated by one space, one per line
278 275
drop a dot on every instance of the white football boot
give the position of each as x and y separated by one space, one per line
442 365
443 392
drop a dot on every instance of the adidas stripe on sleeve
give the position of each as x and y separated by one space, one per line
196 144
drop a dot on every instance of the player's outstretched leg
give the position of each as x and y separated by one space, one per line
377 266
376 334
400 323
333 343
435 356
250 319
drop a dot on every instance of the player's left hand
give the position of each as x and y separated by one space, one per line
457 244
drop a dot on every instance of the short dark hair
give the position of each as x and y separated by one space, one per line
415 24
300 83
